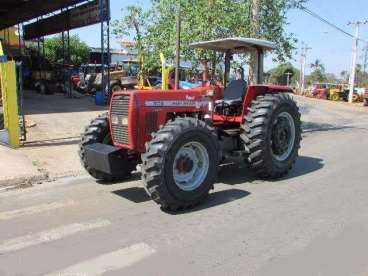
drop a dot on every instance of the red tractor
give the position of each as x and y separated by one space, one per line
180 137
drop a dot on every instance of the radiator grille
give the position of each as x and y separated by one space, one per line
120 110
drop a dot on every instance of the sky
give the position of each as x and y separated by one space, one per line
329 45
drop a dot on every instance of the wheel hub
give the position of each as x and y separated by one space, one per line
190 166
283 136
184 164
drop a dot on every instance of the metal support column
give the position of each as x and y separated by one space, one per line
68 65
105 47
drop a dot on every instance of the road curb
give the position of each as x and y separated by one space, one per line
16 181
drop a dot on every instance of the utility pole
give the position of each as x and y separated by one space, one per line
365 58
356 24
303 58
177 58
288 75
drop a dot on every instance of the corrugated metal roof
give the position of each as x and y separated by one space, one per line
13 12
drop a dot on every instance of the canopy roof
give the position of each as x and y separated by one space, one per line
13 12
235 45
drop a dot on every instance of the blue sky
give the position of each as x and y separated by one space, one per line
330 46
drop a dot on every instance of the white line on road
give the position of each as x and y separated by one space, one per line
112 261
50 235
35 209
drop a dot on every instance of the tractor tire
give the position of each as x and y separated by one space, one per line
98 132
335 97
115 88
180 164
271 134
356 97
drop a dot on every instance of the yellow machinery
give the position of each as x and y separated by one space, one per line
337 92
165 71
9 98
9 37
141 76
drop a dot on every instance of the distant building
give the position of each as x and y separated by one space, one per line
125 54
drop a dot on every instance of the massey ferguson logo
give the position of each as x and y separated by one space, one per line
187 103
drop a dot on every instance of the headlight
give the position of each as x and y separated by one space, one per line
119 120
115 119
124 121
210 93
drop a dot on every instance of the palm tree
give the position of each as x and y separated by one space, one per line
317 65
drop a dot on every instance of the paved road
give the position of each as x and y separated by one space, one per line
313 222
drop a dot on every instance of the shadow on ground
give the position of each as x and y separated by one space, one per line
231 174
134 194
134 177
215 199
234 174
311 127
304 165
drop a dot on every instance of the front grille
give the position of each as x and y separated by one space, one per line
120 109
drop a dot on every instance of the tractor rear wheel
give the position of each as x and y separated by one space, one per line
180 164
272 134
115 88
98 132
356 97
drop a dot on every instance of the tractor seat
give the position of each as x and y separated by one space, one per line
229 102
233 93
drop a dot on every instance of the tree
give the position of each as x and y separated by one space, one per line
361 77
317 65
279 74
134 23
319 72
212 19
79 50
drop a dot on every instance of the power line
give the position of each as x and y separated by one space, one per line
308 11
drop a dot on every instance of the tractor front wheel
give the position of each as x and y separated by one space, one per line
272 134
180 164
335 97
98 132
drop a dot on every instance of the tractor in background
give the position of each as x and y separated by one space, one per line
330 91
365 97
181 137
338 92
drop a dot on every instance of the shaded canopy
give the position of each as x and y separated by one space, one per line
13 12
235 45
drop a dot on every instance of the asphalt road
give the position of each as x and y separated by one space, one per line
313 222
